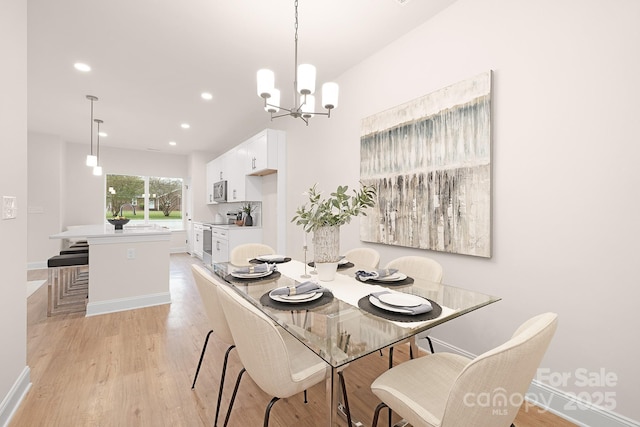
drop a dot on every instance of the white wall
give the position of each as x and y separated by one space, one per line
14 372
201 212
44 202
565 175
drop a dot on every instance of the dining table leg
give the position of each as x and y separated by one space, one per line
333 395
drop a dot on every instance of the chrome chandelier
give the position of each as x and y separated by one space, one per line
304 85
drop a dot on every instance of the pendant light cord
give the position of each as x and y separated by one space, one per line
295 56
91 126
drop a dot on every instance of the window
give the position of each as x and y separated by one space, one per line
145 200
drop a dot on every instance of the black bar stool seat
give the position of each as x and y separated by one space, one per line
68 286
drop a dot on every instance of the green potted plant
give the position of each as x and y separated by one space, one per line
324 216
247 208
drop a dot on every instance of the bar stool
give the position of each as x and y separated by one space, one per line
68 287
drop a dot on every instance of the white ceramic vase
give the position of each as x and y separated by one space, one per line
326 251
326 271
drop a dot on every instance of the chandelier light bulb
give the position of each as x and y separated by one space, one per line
306 79
266 83
307 105
274 102
330 95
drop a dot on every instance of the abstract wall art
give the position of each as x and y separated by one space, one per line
430 162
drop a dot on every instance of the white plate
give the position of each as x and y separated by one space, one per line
296 298
270 257
395 277
343 261
251 275
375 301
401 300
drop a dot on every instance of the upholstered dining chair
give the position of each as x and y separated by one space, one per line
448 390
276 361
207 287
363 257
241 254
418 267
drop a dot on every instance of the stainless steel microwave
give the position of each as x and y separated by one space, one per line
220 191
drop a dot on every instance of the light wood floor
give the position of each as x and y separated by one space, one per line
135 368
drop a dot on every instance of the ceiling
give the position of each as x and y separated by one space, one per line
151 60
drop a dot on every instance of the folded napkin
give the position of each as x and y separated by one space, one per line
301 288
258 268
375 274
272 258
418 309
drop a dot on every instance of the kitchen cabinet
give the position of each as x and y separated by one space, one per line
262 152
197 240
243 165
210 174
225 238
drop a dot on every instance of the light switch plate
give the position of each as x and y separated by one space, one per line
9 207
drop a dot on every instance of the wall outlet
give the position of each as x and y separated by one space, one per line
131 253
9 207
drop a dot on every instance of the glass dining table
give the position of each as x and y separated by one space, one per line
343 325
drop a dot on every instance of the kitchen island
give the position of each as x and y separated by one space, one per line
128 268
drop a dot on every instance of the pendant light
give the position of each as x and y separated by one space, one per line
92 160
304 85
97 169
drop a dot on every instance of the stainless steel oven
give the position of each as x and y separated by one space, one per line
207 246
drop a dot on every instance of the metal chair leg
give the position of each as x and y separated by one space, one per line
233 396
344 396
224 370
268 411
376 414
204 348
430 345
390 357
305 396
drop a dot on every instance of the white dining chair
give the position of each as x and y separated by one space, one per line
421 268
276 361
449 390
241 254
363 257
207 287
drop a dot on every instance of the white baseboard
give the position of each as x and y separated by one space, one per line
178 250
12 400
38 265
558 402
122 304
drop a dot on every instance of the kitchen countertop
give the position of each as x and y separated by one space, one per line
231 226
107 230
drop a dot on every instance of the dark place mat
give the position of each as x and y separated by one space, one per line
266 300
257 261
272 276
340 266
407 281
365 305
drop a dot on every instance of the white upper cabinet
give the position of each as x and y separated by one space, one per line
243 166
240 187
262 152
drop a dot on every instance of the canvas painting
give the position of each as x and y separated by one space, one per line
430 162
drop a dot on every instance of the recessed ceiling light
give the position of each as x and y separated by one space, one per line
82 67
207 96
185 126
172 143
103 134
